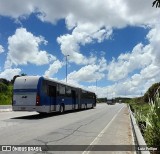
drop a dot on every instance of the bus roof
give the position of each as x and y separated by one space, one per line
26 82
34 80
67 84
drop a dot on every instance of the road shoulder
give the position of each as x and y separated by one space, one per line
117 134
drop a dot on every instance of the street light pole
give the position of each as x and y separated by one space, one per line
66 67
96 85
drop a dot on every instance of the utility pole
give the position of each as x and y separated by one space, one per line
66 67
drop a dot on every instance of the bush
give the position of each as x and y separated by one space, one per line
3 87
5 81
5 94
5 99
152 132
148 118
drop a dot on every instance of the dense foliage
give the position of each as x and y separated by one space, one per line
5 92
150 94
152 131
147 113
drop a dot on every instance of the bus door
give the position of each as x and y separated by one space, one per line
79 98
52 97
73 99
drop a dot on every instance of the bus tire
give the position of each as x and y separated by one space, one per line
92 106
85 106
61 108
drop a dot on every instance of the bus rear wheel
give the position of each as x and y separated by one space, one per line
61 108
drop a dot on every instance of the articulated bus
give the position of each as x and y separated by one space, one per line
33 93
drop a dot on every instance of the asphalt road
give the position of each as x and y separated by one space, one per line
104 125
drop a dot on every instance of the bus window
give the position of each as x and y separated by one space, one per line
44 87
51 91
68 91
61 90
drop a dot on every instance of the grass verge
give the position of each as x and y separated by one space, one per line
148 118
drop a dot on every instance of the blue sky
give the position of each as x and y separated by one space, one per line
118 48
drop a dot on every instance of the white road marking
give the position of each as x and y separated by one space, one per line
100 134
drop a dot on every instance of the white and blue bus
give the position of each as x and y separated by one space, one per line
33 93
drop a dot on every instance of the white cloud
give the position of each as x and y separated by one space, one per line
140 57
16 9
70 47
154 40
136 71
118 13
106 91
84 74
82 35
150 72
53 68
88 73
1 49
10 73
138 84
23 48
88 23
143 64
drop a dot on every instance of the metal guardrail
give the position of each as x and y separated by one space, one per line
137 134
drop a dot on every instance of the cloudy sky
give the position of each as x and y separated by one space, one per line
111 44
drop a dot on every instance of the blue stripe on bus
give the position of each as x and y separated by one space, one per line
58 100
24 90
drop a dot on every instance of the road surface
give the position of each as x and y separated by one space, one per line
104 125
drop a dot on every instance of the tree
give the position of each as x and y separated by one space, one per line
14 78
3 87
23 74
156 3
151 92
5 81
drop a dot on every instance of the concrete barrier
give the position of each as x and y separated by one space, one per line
5 108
